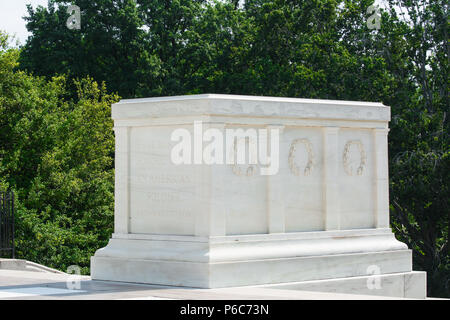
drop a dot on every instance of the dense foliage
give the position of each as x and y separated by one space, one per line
57 154
56 140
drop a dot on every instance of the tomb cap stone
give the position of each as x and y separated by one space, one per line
256 106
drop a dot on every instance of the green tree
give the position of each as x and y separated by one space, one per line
57 154
166 24
420 152
109 46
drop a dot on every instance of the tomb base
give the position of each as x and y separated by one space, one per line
285 259
400 285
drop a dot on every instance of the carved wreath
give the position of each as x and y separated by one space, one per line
363 157
309 165
237 170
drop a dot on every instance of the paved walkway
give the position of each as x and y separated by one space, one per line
39 285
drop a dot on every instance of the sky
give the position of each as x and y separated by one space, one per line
11 13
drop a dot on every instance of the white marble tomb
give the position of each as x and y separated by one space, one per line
323 216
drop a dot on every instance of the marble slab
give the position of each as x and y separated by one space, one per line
319 209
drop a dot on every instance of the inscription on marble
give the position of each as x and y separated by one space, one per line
163 196
162 179
172 213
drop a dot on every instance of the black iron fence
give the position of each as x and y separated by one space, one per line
6 224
